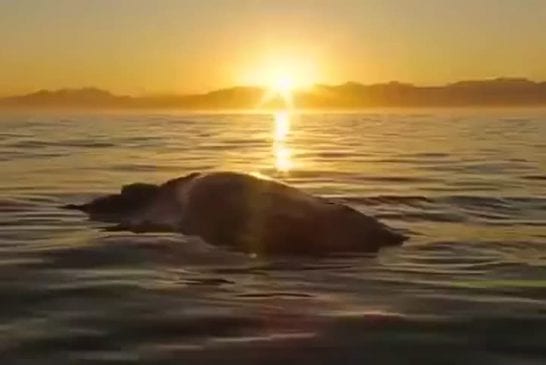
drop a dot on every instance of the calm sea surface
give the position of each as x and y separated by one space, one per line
469 287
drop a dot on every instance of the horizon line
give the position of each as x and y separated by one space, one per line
255 86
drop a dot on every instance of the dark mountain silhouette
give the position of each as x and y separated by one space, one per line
85 97
495 92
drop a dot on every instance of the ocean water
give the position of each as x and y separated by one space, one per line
469 186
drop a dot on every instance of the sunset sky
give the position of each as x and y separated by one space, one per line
141 47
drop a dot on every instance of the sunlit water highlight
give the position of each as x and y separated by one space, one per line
281 150
469 186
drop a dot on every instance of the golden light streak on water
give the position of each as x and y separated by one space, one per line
281 151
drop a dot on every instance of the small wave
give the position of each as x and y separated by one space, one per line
15 205
411 200
424 216
266 295
498 205
431 154
142 167
534 177
397 179
206 281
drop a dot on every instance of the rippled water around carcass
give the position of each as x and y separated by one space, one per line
469 186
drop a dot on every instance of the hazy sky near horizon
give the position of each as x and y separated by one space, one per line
163 46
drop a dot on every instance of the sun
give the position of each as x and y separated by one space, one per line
281 75
279 83
283 84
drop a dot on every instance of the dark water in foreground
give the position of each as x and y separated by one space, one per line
469 287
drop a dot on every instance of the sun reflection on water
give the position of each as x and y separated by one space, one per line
282 126
281 151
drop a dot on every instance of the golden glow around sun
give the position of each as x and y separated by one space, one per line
282 84
281 74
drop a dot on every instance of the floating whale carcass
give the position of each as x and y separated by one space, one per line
247 212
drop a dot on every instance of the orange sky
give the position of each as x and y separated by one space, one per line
140 47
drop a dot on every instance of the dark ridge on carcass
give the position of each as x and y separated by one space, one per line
113 208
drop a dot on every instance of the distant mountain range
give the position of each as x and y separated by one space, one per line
351 95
